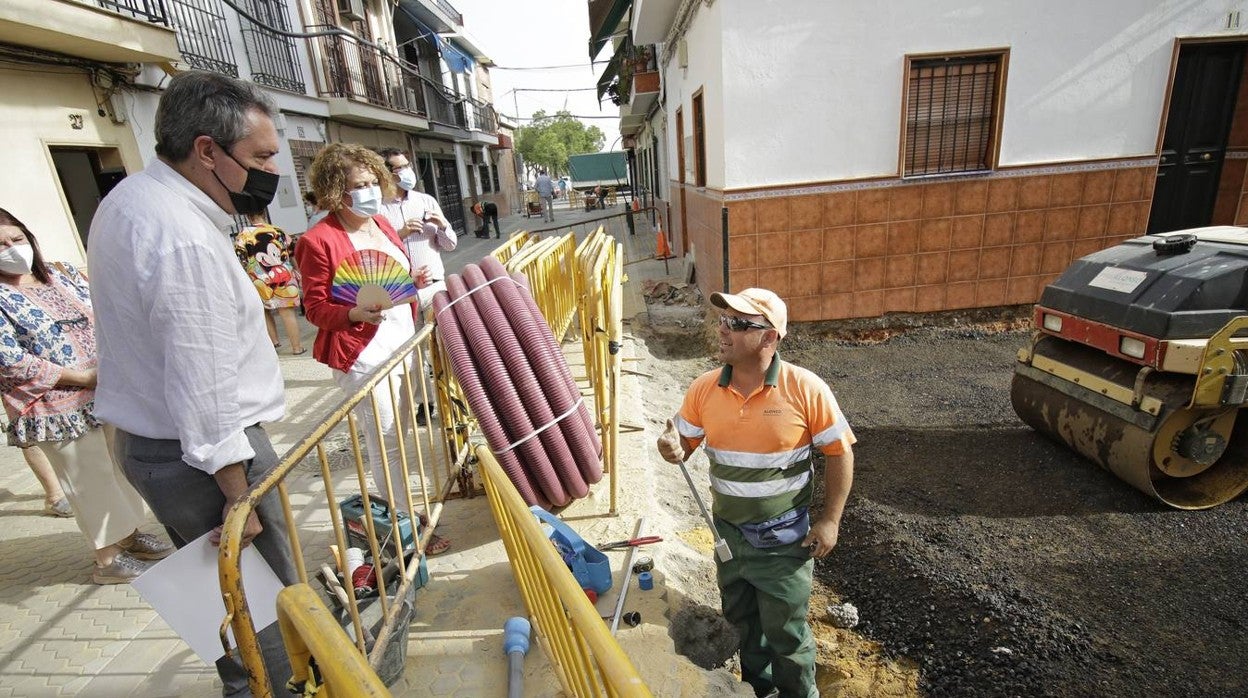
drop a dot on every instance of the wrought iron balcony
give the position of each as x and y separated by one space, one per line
203 37
446 107
274 61
147 10
347 68
483 117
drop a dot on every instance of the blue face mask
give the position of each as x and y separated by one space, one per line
366 202
407 179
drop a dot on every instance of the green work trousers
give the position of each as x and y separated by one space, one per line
765 593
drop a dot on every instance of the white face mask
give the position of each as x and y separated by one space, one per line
366 202
407 179
17 259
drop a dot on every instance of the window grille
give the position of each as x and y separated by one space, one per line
484 172
203 38
274 62
951 114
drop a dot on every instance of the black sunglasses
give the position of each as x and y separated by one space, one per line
740 324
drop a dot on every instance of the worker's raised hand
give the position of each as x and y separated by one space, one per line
422 276
670 446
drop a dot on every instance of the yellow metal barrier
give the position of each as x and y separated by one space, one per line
588 661
600 279
436 471
550 266
508 249
320 652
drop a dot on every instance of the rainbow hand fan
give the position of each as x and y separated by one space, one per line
372 277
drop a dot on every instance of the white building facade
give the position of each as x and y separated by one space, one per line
925 156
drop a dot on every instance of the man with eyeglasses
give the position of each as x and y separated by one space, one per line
418 219
762 420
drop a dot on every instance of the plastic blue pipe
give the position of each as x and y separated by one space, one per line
516 645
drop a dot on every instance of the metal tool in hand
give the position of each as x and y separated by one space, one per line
631 543
721 546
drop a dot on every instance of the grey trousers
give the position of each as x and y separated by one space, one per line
189 504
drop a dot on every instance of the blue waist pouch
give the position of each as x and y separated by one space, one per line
790 527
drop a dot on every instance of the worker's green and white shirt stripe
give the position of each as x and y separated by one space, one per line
760 445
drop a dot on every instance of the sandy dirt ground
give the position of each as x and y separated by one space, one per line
984 559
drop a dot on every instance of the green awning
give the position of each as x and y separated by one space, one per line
604 18
612 69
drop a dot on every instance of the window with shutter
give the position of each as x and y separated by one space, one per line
953 111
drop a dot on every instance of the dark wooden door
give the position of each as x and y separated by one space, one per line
1202 103
449 196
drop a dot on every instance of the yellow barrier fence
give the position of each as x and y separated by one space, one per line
508 249
426 460
600 280
587 660
550 265
322 657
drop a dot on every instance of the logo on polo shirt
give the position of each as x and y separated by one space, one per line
774 412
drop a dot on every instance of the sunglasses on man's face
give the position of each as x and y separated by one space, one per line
740 324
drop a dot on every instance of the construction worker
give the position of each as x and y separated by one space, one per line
762 419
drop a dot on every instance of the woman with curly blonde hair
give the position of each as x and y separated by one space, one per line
351 182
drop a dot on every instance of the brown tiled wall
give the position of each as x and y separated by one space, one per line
704 234
921 247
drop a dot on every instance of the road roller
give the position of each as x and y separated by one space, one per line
1140 364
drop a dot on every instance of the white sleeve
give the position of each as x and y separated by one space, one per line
193 314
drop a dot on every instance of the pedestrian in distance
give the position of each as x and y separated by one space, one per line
187 373
47 383
546 191
761 420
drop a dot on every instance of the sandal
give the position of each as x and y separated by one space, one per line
437 545
300 352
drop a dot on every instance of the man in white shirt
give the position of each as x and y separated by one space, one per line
419 221
426 234
187 373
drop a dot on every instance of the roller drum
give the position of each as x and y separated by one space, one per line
1135 446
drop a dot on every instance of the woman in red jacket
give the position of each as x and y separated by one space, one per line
351 181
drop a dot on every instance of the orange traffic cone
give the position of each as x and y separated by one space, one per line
661 249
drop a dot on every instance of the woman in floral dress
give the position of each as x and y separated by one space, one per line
47 383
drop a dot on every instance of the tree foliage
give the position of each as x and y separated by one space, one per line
550 139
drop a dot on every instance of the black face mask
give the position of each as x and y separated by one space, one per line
258 191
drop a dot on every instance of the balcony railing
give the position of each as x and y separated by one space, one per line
445 106
147 10
272 56
483 117
203 37
355 71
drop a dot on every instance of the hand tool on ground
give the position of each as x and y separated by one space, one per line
333 587
721 546
632 542
628 570
516 645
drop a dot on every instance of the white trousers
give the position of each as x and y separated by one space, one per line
384 418
106 506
